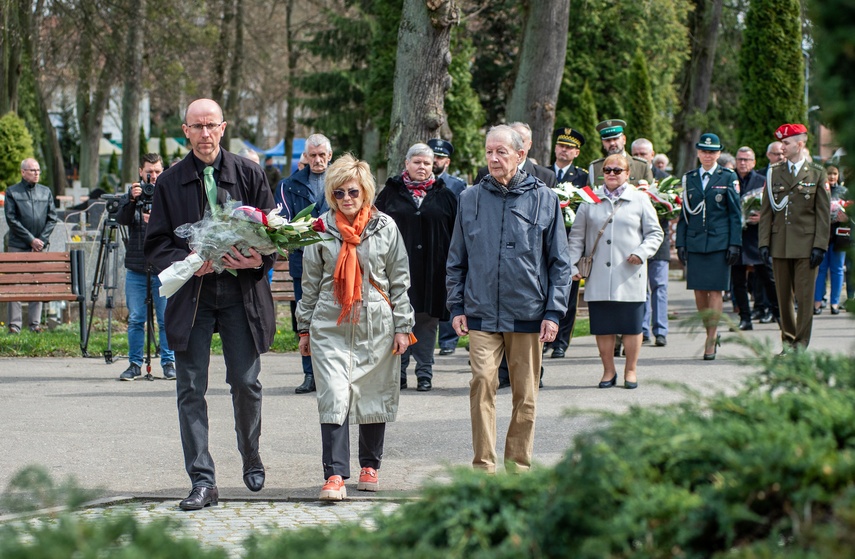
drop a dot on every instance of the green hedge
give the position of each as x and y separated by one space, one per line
765 472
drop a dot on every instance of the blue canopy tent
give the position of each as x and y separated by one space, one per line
278 152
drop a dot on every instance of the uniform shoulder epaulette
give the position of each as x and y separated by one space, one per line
778 164
641 159
595 161
817 166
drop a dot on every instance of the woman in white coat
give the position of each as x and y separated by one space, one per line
616 288
354 320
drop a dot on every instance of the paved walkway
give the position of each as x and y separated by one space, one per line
72 417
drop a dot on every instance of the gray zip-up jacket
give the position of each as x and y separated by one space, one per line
30 214
508 266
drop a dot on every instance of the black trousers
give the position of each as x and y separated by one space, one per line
335 441
739 286
220 305
568 321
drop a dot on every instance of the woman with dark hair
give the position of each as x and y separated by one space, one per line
354 319
833 264
424 211
620 232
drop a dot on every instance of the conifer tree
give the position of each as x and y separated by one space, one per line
143 144
463 109
16 144
771 72
582 116
163 149
640 109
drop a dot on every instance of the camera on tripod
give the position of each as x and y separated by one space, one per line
113 202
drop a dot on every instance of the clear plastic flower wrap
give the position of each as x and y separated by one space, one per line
213 236
242 227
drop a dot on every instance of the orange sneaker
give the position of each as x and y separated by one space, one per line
368 480
333 489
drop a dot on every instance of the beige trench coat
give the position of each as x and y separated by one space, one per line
356 373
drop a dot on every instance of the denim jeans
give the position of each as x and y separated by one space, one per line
832 266
135 299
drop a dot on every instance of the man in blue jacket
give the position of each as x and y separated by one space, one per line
508 280
294 194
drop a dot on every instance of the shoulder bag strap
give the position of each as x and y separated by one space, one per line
603 228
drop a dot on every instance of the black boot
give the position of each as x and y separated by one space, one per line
307 386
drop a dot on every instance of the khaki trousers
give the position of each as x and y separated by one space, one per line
795 278
524 353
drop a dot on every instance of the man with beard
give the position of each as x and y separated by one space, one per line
614 142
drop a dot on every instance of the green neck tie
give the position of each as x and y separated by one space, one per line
210 186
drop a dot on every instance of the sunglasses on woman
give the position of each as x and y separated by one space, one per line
339 194
613 170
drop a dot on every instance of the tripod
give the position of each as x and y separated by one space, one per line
106 275
149 324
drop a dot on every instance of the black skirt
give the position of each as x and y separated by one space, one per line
616 317
708 271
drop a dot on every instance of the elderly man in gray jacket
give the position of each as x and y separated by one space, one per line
508 280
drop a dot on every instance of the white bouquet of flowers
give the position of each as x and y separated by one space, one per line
243 227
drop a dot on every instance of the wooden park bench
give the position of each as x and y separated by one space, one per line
45 276
282 285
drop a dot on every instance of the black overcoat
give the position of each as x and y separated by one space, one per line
180 198
426 230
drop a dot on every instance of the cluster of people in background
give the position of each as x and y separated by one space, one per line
429 258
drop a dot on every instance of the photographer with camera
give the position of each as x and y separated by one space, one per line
134 209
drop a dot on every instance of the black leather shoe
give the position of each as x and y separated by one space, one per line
446 351
307 386
756 314
767 318
558 353
253 474
403 382
618 344
424 385
745 325
661 341
629 385
200 497
608 383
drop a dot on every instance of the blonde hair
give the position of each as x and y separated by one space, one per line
624 160
345 169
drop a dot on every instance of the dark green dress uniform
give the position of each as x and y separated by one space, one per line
639 169
797 222
710 221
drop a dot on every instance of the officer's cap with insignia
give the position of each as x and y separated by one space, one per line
568 137
709 142
441 148
609 129
789 130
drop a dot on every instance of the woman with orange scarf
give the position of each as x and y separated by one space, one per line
355 320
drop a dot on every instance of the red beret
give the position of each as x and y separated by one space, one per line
787 130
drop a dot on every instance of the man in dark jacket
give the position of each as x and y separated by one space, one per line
294 194
31 217
752 181
239 306
134 208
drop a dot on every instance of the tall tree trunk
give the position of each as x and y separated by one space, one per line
53 165
91 105
13 31
232 106
222 66
696 79
132 95
535 94
290 100
421 75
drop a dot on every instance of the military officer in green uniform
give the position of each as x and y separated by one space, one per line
709 234
614 141
794 223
